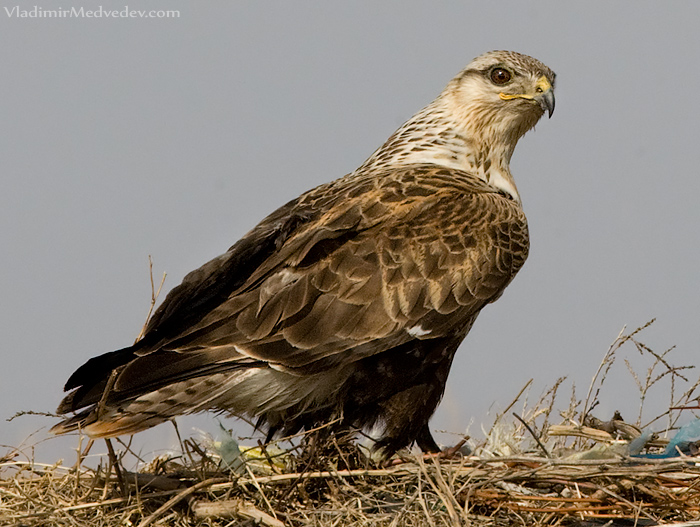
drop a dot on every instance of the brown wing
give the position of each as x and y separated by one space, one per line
391 257
349 270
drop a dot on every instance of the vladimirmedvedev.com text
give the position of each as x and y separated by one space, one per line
82 12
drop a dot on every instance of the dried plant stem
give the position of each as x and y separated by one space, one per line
154 296
504 412
178 498
331 482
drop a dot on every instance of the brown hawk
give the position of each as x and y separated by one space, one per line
350 301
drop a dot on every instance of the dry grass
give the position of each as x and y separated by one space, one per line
526 471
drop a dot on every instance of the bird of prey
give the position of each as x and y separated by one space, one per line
349 302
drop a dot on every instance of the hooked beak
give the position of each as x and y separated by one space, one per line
545 95
546 101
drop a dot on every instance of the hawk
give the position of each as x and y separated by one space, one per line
350 301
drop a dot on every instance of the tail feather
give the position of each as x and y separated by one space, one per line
252 391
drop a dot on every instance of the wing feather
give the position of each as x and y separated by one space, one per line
346 271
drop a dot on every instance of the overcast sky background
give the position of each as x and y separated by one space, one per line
123 138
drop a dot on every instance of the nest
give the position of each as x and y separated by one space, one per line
526 471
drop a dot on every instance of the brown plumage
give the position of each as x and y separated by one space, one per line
351 300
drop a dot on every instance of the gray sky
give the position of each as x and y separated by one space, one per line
126 137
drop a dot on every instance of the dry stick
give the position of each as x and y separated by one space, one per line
637 508
441 491
113 379
30 412
108 388
469 487
128 450
260 490
100 411
404 470
177 433
561 510
93 482
78 462
607 363
683 524
451 501
28 497
154 296
496 495
190 446
232 509
532 433
269 459
464 510
300 434
300 476
578 491
90 505
608 354
421 499
85 452
338 449
674 481
462 464
547 409
648 381
399 515
504 412
117 469
312 453
178 498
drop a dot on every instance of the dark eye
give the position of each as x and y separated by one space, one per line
500 76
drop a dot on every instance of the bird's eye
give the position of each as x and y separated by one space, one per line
500 76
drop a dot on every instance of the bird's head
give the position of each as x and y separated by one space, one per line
475 123
501 94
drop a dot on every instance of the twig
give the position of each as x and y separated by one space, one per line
447 495
532 433
260 490
637 508
269 459
30 412
606 361
105 393
154 297
504 412
278 478
117 469
178 498
421 499
232 509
